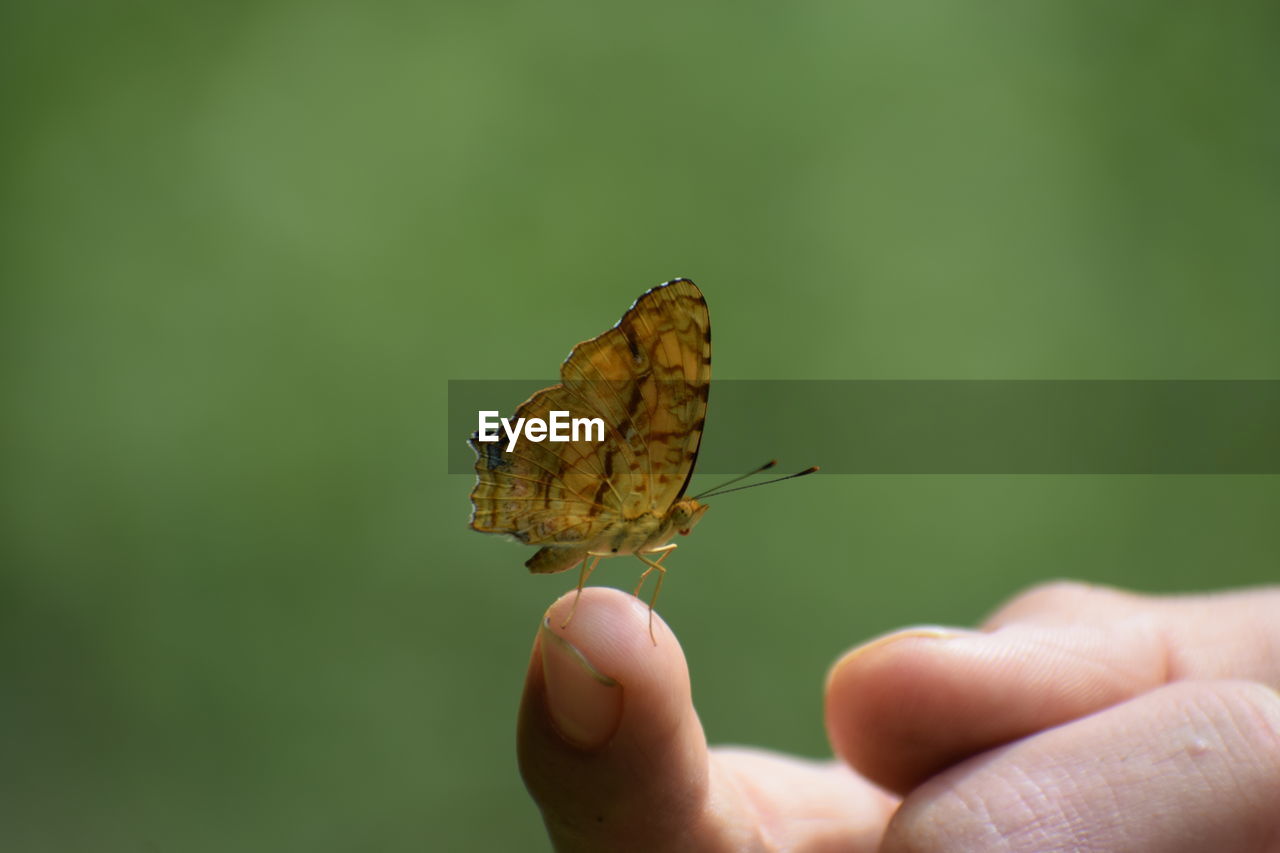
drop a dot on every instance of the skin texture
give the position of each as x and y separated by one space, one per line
1076 718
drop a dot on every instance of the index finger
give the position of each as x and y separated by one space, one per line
906 706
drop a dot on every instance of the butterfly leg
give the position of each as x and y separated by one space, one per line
652 564
657 587
582 579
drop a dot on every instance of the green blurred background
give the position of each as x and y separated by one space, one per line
246 244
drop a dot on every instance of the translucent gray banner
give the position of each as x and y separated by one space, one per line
956 427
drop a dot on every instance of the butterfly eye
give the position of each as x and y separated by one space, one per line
684 532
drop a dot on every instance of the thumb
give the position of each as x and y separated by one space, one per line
608 742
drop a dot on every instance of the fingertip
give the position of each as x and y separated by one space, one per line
884 709
607 726
610 631
606 620
858 654
584 703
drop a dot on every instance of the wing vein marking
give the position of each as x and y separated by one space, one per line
624 409
621 444
533 406
531 499
560 530
639 318
554 477
654 332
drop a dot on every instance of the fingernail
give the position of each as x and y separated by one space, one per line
584 703
927 632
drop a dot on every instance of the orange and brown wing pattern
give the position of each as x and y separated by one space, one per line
647 378
545 492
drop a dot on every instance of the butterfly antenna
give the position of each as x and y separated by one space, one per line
765 467
723 491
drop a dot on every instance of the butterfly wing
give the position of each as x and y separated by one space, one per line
545 492
650 376
647 379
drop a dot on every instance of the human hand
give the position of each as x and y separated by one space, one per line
1079 718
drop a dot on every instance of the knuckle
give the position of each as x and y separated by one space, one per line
1058 596
1253 715
1058 589
1241 720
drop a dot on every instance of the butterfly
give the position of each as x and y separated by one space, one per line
647 379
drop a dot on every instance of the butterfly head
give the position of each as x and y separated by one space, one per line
685 514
